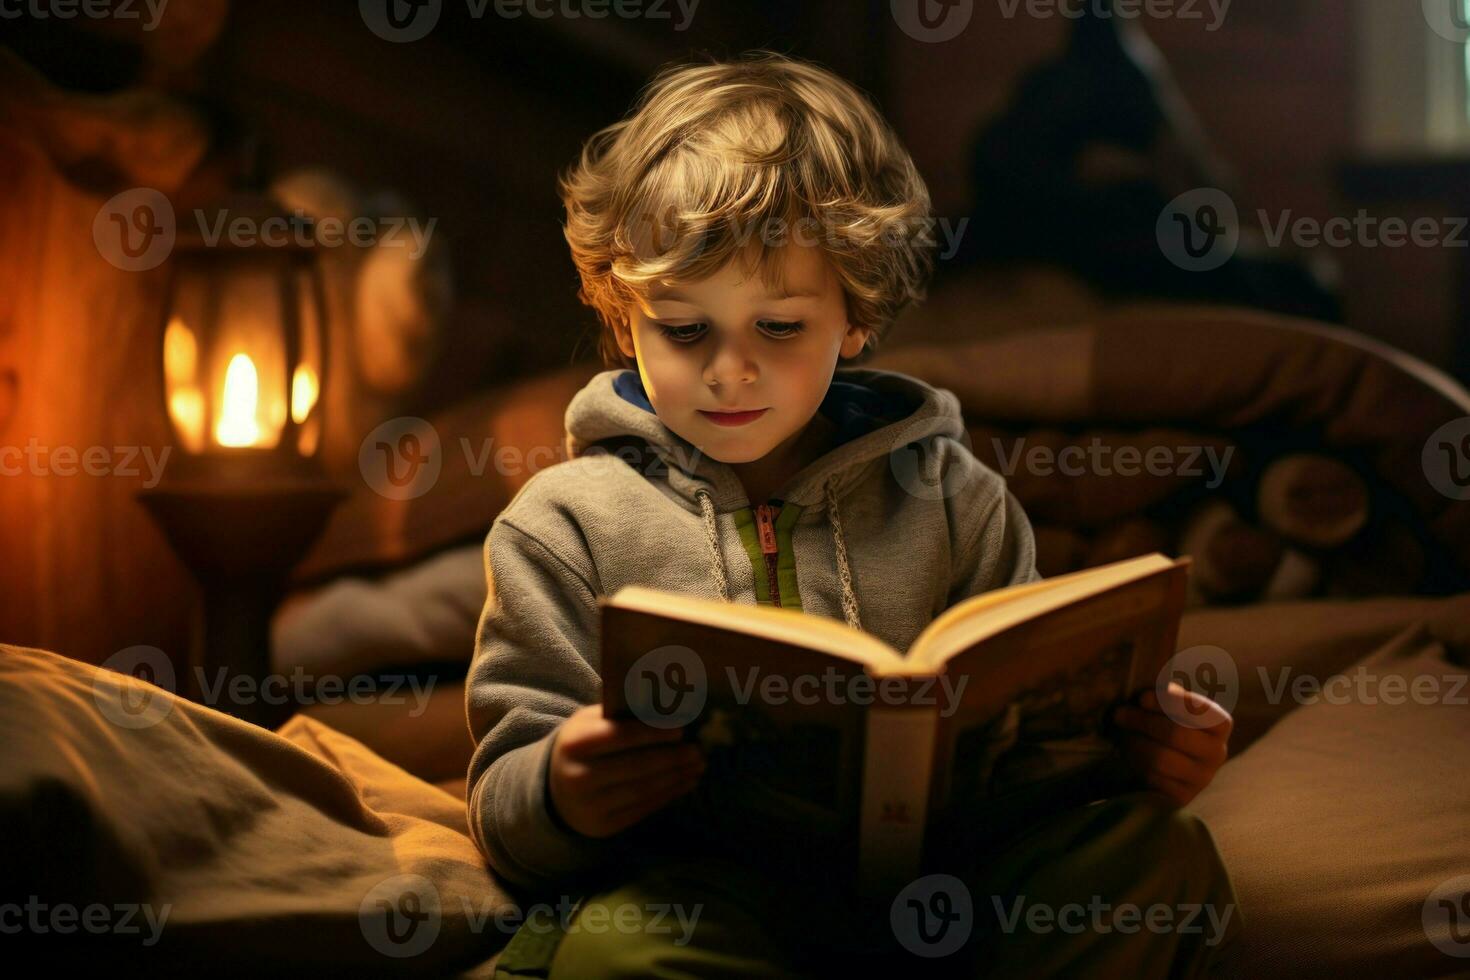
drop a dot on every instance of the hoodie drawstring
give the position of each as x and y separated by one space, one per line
712 538
844 571
849 598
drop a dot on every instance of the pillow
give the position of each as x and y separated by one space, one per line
488 447
1271 643
425 613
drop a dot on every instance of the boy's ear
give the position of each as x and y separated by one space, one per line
854 340
623 331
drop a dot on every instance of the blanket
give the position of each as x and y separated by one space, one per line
199 842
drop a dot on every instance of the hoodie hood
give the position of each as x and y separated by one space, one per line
875 413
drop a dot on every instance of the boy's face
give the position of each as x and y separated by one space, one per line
737 347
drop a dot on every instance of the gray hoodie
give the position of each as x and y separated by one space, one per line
895 523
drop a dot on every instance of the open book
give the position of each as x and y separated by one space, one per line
827 745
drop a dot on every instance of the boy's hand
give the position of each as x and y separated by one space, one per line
1178 758
608 775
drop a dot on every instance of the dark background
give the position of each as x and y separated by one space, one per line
472 124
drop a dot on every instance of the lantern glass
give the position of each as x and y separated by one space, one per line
244 350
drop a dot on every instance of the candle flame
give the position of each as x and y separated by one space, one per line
237 424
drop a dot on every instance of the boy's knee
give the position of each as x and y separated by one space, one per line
1176 841
591 947
1168 833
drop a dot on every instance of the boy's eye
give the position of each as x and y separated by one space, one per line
678 334
782 329
690 332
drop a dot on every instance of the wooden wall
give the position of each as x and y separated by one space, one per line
82 569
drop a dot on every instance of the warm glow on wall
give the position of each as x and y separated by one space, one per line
304 388
181 374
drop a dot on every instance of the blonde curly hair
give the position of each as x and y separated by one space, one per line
714 149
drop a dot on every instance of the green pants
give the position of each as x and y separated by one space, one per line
1129 887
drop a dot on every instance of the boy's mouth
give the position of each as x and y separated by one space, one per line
733 418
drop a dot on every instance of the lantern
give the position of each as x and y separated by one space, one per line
243 354
244 341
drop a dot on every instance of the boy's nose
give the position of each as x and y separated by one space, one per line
730 368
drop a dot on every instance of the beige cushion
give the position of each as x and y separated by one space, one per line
1339 824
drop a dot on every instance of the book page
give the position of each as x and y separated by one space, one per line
788 626
971 622
1031 734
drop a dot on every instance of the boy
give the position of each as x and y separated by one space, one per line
748 225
